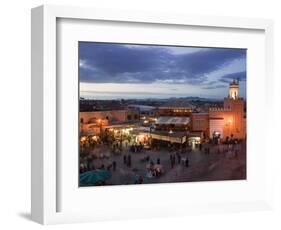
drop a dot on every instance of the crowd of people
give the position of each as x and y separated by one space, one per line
229 149
87 164
136 147
177 158
178 155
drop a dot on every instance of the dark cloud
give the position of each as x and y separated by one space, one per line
118 63
115 63
214 86
241 76
209 60
114 59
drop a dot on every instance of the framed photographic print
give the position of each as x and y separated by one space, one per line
161 114
139 114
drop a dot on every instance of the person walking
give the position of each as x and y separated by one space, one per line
140 179
236 153
129 161
172 162
114 165
147 159
186 163
136 179
200 147
179 158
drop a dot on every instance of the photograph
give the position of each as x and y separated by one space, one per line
156 113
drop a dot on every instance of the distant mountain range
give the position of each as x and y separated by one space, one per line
195 99
181 99
163 99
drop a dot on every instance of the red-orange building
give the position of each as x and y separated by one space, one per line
229 120
200 123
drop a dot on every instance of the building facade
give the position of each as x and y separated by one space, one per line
177 123
93 122
230 120
112 116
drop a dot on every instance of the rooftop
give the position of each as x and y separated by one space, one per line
174 104
142 107
167 120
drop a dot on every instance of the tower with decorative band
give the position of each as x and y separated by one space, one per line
234 89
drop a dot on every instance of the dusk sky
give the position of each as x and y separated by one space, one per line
114 71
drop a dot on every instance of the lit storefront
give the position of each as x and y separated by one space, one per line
171 137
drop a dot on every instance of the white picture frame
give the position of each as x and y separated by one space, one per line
45 91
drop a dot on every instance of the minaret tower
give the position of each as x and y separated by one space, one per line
234 90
